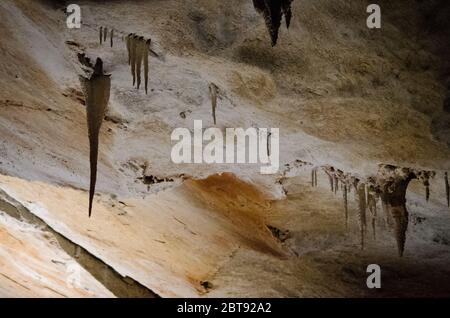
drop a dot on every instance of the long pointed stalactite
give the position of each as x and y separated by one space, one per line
128 44
96 90
111 37
362 206
146 67
447 189
372 198
336 184
101 35
273 12
140 46
314 177
330 173
345 194
133 47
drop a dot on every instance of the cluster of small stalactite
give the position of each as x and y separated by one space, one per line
103 35
389 186
138 49
273 12
96 89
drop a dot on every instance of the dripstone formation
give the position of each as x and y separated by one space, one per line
273 12
96 90
389 185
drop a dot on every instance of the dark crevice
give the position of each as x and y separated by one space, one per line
120 286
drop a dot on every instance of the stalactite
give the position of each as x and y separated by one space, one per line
374 216
213 91
331 182
105 34
128 44
392 183
355 182
287 11
112 37
84 60
273 11
424 177
336 184
345 204
372 205
387 214
447 189
140 47
315 177
101 35
362 211
133 46
330 177
400 216
145 57
97 91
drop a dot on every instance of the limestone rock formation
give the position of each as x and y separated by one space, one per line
390 184
344 97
